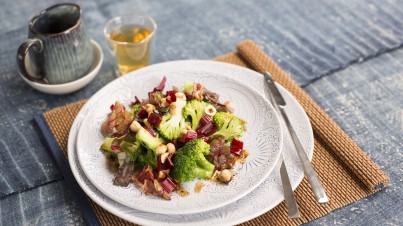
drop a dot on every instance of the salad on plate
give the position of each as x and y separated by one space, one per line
173 137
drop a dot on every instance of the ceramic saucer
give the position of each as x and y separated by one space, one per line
75 85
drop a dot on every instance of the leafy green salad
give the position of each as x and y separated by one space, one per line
172 137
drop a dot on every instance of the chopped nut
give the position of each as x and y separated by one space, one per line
157 186
199 186
198 95
164 157
184 131
210 110
174 88
181 191
135 126
171 148
230 106
244 124
188 126
163 173
180 95
150 108
166 195
146 123
225 176
172 108
161 149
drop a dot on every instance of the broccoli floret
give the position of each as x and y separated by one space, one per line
147 140
195 110
127 144
148 156
133 150
190 162
173 122
229 125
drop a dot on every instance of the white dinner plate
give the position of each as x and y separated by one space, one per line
265 197
263 139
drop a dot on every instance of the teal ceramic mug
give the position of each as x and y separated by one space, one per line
58 47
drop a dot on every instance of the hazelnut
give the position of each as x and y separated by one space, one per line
150 108
172 108
162 149
171 148
164 157
188 126
180 95
225 176
210 110
230 106
184 131
146 123
198 95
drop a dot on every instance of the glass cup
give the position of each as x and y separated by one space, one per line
130 39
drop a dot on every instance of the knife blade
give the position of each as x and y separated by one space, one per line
280 105
292 206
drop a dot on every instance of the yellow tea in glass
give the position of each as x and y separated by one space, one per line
130 39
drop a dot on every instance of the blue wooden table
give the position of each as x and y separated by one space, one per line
346 54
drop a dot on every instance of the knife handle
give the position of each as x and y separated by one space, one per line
310 173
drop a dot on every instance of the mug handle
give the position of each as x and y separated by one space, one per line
22 53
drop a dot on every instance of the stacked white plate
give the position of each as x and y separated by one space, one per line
255 189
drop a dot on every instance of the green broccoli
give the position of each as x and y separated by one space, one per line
147 140
127 144
228 125
195 110
133 150
190 162
173 122
148 156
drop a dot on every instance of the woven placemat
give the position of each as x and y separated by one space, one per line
345 171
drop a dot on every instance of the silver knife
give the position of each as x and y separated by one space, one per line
292 206
310 173
291 203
